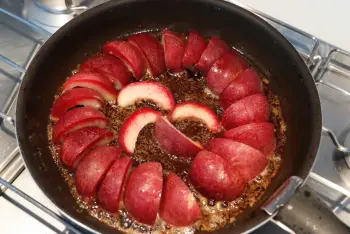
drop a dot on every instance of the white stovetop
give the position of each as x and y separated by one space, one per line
328 20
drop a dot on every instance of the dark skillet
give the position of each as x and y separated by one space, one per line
263 45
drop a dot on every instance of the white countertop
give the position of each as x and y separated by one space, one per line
328 20
325 19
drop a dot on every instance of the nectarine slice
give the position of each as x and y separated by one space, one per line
143 192
77 143
249 161
247 83
173 141
93 167
110 192
76 119
178 206
215 178
251 109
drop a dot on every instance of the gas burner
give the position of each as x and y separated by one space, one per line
46 14
53 14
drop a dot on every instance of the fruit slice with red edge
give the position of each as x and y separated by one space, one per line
143 192
75 97
80 142
248 161
195 46
214 178
109 66
225 70
92 80
178 206
251 109
260 136
193 110
133 125
247 83
111 189
152 52
129 54
93 167
76 119
174 48
214 50
146 90
173 141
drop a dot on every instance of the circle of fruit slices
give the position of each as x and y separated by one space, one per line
219 171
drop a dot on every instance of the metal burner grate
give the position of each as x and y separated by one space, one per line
320 57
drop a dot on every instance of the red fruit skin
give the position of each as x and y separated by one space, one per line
174 48
111 190
224 70
173 141
152 51
146 90
260 136
79 142
143 192
130 56
76 119
92 80
215 49
93 167
132 127
197 111
178 206
109 66
214 178
251 109
247 83
75 97
195 46
247 160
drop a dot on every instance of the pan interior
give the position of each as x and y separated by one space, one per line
85 35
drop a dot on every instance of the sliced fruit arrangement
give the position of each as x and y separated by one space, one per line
143 192
76 119
251 109
173 141
214 50
178 206
225 70
75 97
129 54
174 48
196 111
152 52
194 48
92 80
220 171
215 178
133 125
111 189
93 167
110 67
245 159
146 90
247 83
260 136
80 142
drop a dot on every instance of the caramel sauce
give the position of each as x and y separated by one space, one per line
186 86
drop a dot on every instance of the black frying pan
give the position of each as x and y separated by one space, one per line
263 45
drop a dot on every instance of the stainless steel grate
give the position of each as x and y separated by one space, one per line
319 56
